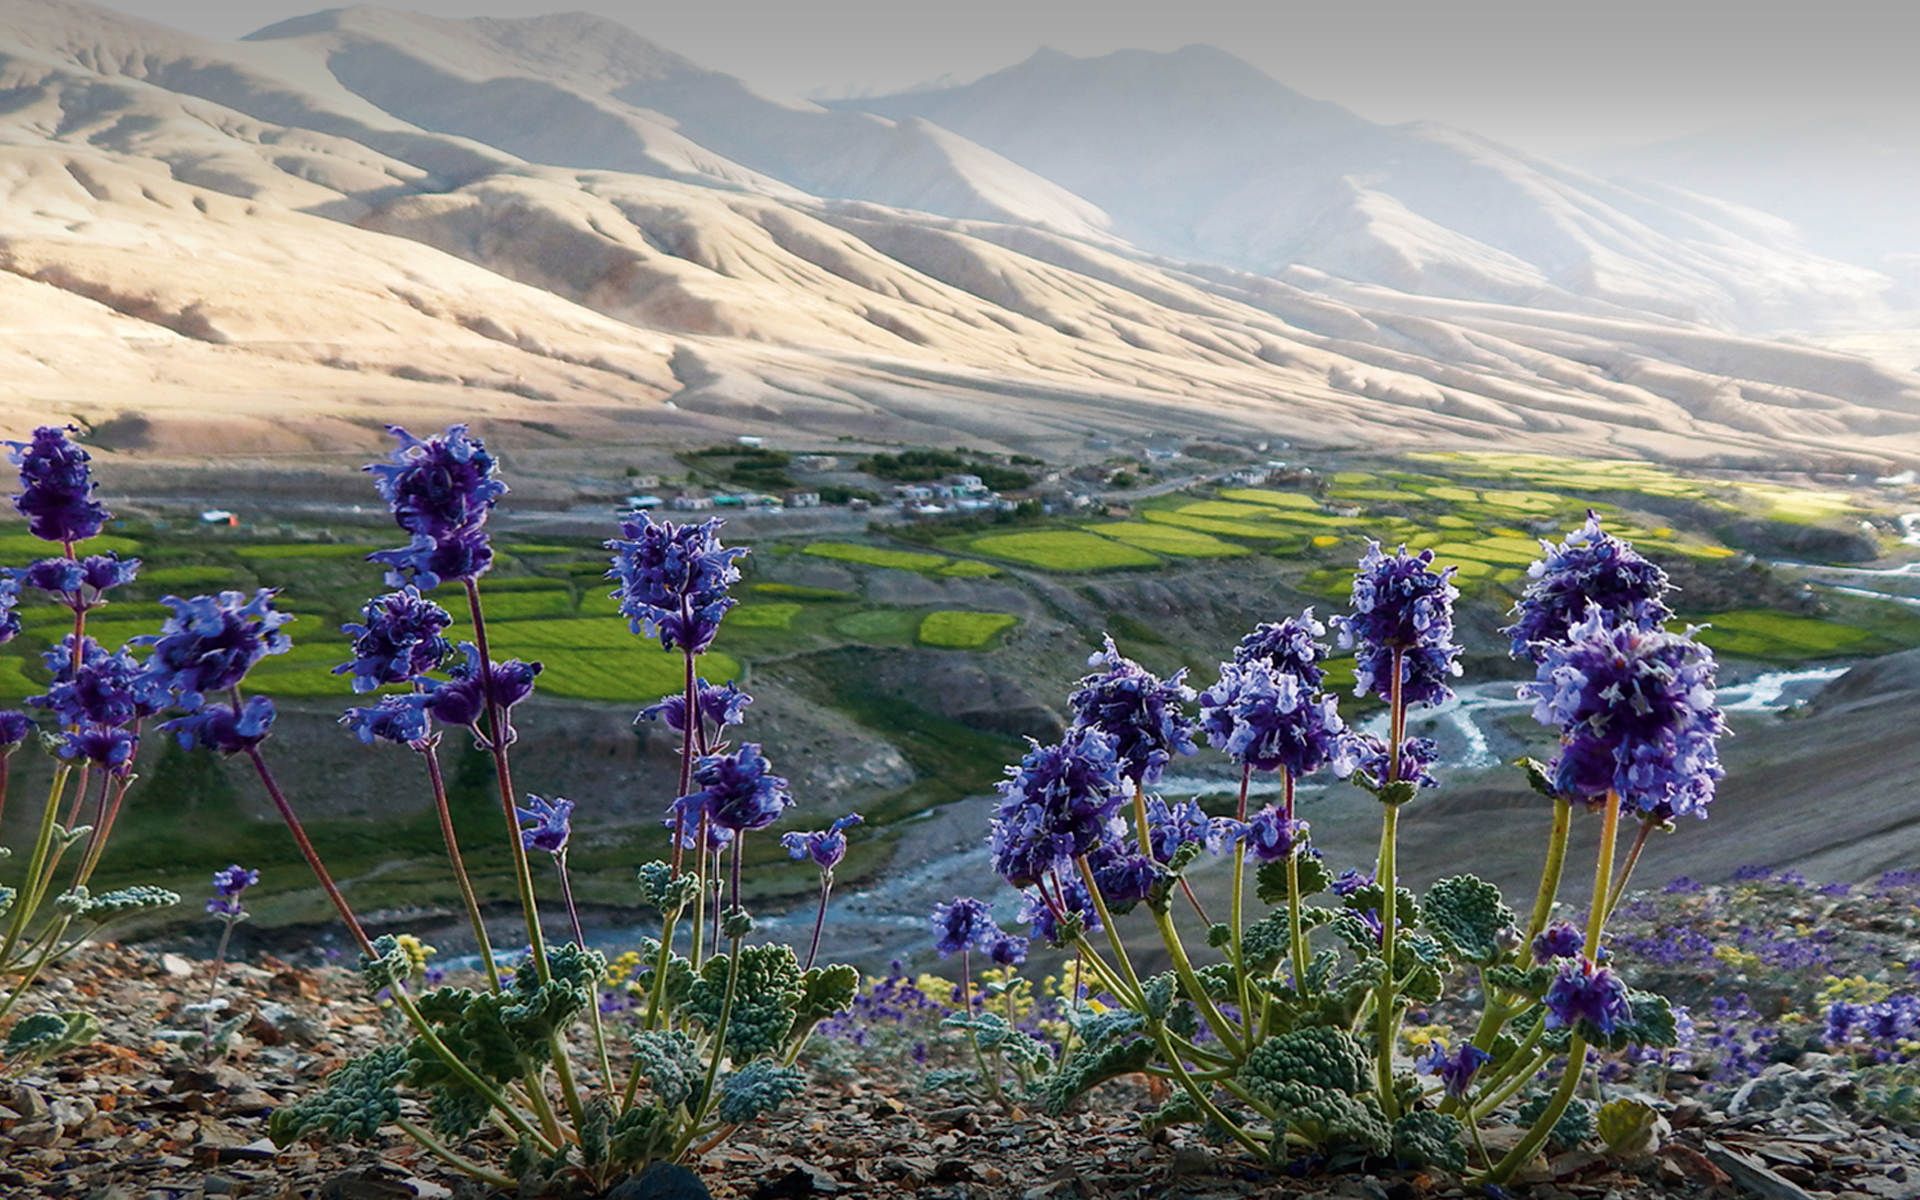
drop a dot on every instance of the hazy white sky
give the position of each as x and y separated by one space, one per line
1555 76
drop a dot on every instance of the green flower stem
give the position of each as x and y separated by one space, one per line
656 996
1549 879
1535 1137
717 1051
45 943
432 756
28 901
1237 918
593 984
458 1162
79 793
1522 1066
1183 967
1385 1012
1132 995
496 740
990 1077
1603 873
819 919
689 719
103 829
1296 936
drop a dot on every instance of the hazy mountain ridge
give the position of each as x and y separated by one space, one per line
188 219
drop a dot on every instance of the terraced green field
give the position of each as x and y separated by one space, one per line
1169 539
963 630
1063 550
876 556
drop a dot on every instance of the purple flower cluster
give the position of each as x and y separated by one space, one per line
1171 826
1455 1071
440 491
399 719
9 602
738 791
1591 567
56 487
105 689
1074 899
1401 607
825 847
1270 720
227 886
1290 647
219 727
545 826
1637 716
399 642
211 642
718 708
1562 939
1583 992
965 924
1364 758
1272 837
1124 876
1143 715
463 699
78 583
673 580
15 728
1055 806
1894 1019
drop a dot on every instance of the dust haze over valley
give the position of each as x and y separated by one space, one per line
249 256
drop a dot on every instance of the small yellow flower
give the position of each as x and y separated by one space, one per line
417 951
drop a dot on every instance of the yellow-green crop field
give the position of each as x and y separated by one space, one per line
876 556
1169 539
963 630
1063 550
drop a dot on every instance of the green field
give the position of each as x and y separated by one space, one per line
800 592
1778 637
875 556
880 626
963 630
968 568
1182 518
1271 498
1169 539
763 616
26 546
190 578
1062 550
306 550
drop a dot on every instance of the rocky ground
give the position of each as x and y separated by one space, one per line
1753 1108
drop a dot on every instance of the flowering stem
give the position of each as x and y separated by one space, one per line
707 1096
1536 1137
990 1076
219 957
464 1165
689 718
1602 875
1385 1012
1133 997
1237 926
1296 938
432 754
28 902
1183 967
1549 879
593 986
79 793
497 742
1626 872
309 853
820 918
103 828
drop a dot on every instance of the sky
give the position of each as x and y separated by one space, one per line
1558 77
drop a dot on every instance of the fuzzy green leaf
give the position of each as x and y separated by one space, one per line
1271 882
670 1063
668 892
757 1089
764 1001
1088 1067
357 1100
1429 1139
1470 915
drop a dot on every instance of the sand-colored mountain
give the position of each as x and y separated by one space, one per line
278 245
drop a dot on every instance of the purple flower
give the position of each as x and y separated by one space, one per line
440 491
545 826
463 700
1144 716
673 580
1562 939
15 728
1289 647
9 600
1055 806
210 643
218 727
399 719
1456 1070
1585 992
1636 712
738 791
719 707
1036 912
1169 827
825 847
56 487
227 886
107 689
962 925
106 746
80 584
718 839
1267 719
1351 881
1271 837
1008 950
1402 605
400 641
1590 567
1124 876
1363 757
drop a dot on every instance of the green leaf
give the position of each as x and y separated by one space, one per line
357 1100
670 1063
757 1089
1627 1127
1538 779
389 965
825 992
1652 1025
1532 982
1089 1066
668 892
1429 1139
1471 916
736 923
640 1136
1398 792
1158 993
764 1000
46 1035
1271 881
